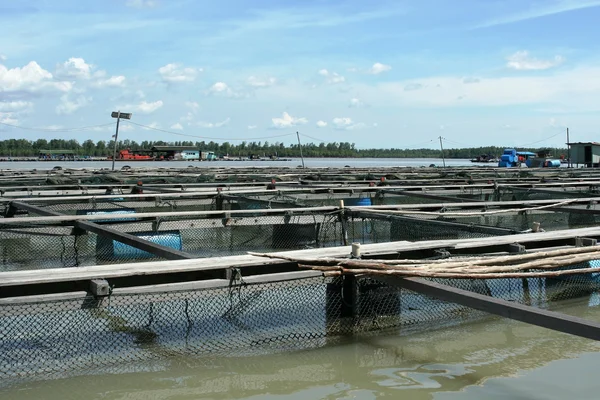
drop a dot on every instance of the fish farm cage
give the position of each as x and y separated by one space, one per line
56 223
60 338
33 240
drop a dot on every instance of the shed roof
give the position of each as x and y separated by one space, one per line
174 148
584 143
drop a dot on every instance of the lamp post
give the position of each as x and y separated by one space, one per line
118 115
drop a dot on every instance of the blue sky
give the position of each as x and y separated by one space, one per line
377 74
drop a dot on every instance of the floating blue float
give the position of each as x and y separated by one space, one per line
107 248
358 201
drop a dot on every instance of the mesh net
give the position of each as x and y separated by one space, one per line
37 246
77 336
44 245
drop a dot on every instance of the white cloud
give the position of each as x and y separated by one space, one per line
538 10
346 123
321 124
203 124
177 126
355 103
378 68
7 118
252 127
577 88
15 106
219 87
75 68
260 83
332 77
30 78
144 107
521 60
68 106
141 3
223 90
113 81
192 105
175 73
3 57
287 121
189 117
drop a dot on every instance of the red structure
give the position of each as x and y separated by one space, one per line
133 156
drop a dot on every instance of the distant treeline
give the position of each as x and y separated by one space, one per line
101 148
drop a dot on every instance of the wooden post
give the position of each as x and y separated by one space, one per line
300 147
344 223
341 305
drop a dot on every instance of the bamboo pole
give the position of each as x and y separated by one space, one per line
448 263
518 266
510 275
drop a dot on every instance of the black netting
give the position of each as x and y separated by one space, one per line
42 340
44 245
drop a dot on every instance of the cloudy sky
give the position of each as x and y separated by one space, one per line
376 73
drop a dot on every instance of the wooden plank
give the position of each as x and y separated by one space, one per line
424 221
49 276
420 207
54 275
219 214
160 288
123 237
507 309
426 196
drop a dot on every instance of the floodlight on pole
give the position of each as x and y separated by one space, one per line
118 115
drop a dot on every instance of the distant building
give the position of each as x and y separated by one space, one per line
177 153
56 154
585 153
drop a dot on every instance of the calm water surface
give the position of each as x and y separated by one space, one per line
489 359
294 162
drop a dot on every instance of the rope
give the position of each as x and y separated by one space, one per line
466 214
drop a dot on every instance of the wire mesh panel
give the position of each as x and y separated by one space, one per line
48 339
38 245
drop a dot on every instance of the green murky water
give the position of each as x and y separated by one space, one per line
492 359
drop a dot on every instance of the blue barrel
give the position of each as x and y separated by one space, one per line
358 201
106 248
553 163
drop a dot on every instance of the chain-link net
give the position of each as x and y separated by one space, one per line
39 245
51 339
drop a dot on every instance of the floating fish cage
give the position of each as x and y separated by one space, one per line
36 242
189 213
69 337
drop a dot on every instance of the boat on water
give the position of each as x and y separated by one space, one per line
514 158
485 158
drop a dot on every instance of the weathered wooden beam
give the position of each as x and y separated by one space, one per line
126 238
379 208
435 222
507 309
426 196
